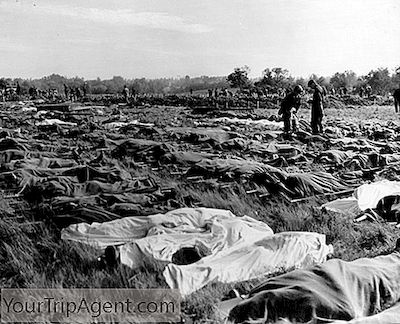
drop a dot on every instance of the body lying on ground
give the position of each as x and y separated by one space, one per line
335 290
382 197
294 185
236 248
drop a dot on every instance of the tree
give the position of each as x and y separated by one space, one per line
301 81
380 81
396 79
239 77
322 81
348 79
276 78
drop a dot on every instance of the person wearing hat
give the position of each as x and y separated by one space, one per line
317 110
289 107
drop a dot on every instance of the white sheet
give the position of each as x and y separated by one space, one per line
55 121
364 197
280 252
240 248
272 125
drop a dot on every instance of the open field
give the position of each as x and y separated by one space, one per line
61 168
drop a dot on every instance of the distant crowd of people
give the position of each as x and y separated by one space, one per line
259 92
290 100
75 93
10 92
252 92
13 92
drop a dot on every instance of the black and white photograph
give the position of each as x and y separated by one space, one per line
200 161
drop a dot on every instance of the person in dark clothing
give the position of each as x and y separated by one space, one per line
78 93
66 92
396 96
368 91
72 94
85 89
18 90
289 107
317 110
361 92
126 94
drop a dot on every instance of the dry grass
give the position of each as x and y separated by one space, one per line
36 257
31 257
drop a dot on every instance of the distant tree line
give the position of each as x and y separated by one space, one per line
381 81
117 83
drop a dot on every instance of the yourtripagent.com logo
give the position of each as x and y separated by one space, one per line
90 305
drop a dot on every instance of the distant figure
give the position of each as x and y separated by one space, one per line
362 91
18 90
216 93
396 96
368 91
31 92
210 93
134 94
317 110
126 94
78 93
85 89
289 107
191 91
72 94
66 91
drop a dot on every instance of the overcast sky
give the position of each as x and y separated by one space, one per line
170 38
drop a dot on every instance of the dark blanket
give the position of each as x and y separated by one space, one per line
334 290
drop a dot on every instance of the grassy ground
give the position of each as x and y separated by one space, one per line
35 256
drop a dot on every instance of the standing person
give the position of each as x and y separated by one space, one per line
85 89
18 90
368 91
289 107
362 91
126 94
78 93
317 110
215 93
66 92
72 94
396 96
